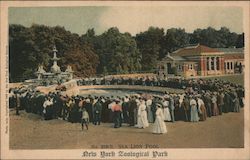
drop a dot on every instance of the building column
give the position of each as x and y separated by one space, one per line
221 65
195 68
205 66
165 71
218 63
210 61
215 65
185 69
202 64
225 63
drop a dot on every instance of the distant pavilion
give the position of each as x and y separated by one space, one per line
200 60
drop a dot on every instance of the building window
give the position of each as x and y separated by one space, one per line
190 66
231 65
212 63
179 67
228 65
207 63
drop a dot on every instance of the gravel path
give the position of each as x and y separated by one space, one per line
29 131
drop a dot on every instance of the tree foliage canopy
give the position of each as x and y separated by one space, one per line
109 53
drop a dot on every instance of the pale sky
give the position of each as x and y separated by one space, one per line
130 19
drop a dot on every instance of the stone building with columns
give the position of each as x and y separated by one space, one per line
200 60
233 60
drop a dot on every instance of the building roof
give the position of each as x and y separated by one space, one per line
174 58
194 50
232 50
234 56
179 58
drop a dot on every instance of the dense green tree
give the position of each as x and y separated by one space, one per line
30 47
211 37
226 38
117 51
240 41
174 39
109 53
83 60
149 45
89 37
206 37
23 53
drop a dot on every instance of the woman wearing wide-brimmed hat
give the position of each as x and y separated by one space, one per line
142 121
159 126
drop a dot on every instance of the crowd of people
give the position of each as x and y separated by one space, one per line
177 83
202 99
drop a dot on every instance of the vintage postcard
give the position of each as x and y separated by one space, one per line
124 80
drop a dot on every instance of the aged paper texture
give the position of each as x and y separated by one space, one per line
124 80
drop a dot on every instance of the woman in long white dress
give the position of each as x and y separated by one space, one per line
193 112
159 126
149 111
166 113
142 121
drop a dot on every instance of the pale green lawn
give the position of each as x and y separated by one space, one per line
239 79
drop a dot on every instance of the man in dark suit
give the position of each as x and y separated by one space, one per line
125 112
172 107
186 108
97 109
226 102
17 100
131 108
105 110
231 98
220 101
240 93
208 104
154 107
40 101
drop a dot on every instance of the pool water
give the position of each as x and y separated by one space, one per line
114 92
106 93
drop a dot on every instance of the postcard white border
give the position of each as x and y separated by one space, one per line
190 153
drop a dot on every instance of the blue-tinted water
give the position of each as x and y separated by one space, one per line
112 92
